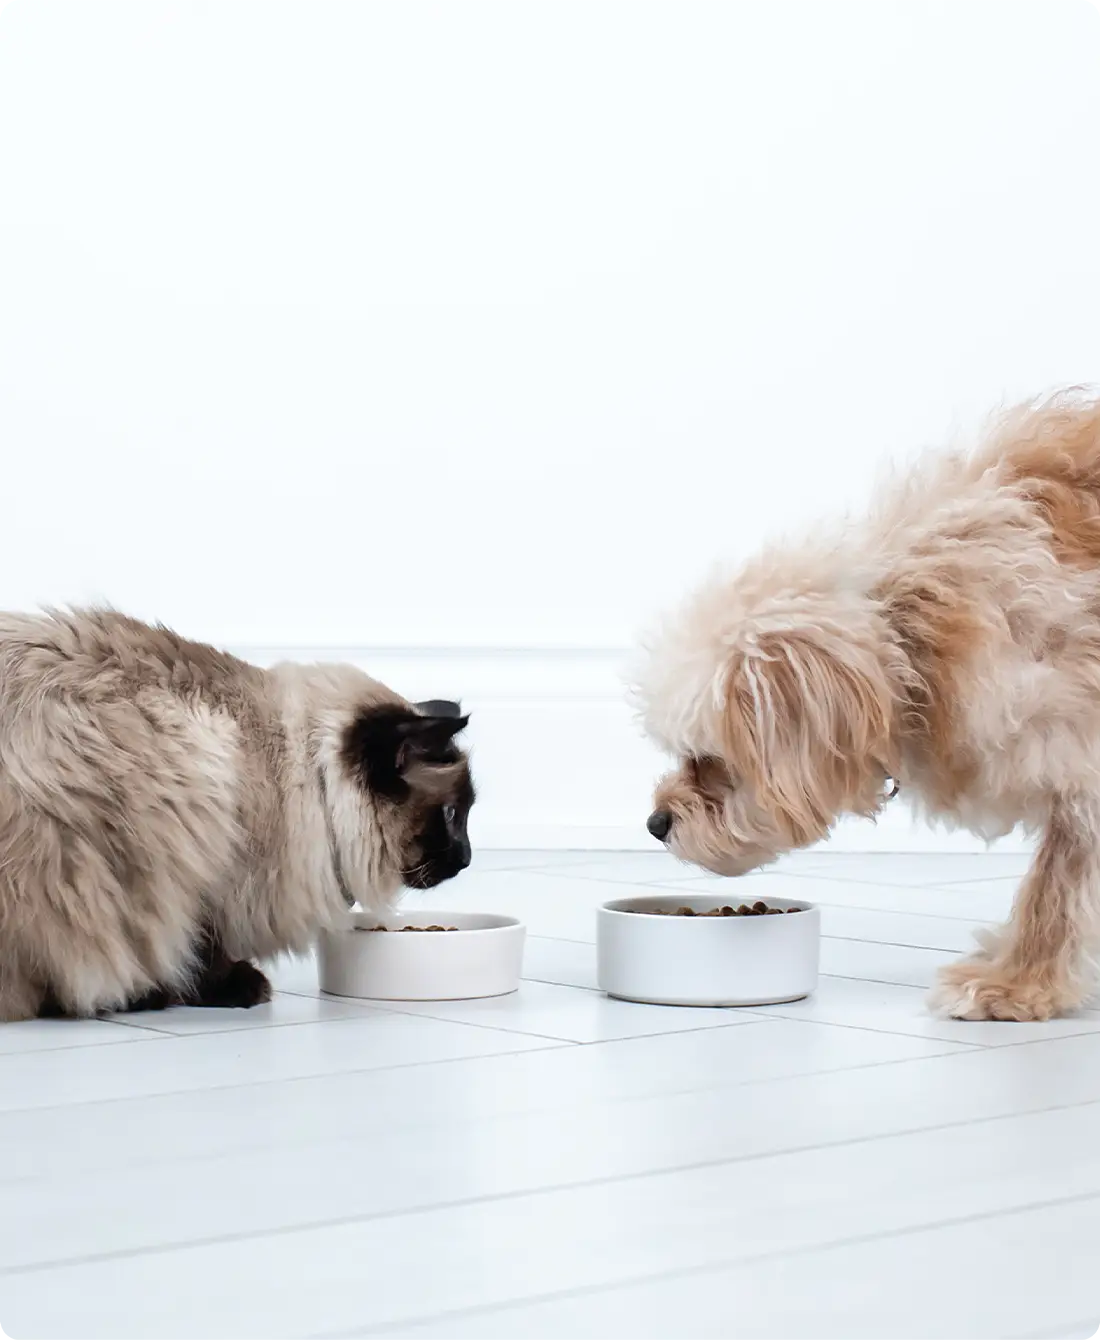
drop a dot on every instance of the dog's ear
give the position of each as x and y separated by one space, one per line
808 725
382 744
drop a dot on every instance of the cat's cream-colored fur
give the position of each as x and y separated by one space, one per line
153 790
951 641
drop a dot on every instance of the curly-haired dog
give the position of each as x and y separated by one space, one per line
950 641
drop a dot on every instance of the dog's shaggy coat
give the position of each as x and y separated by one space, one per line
169 813
951 642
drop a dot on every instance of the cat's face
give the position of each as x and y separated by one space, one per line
419 784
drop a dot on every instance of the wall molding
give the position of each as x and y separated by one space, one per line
558 758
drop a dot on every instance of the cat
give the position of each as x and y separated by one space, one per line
170 813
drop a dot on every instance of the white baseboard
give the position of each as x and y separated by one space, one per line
557 757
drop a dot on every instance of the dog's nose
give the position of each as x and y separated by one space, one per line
658 823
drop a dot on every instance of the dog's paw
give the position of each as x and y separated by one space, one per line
978 988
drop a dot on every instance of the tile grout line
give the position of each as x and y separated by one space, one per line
1062 1330
921 1037
705 1268
735 1021
614 1101
367 1007
901 944
944 885
755 1013
742 1012
557 1044
954 1050
83 1046
673 886
519 1032
160 1249
819 874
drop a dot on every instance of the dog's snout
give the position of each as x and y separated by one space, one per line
659 823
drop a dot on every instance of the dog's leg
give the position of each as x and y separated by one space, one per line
1043 962
19 997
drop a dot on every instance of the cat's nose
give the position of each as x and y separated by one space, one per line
659 823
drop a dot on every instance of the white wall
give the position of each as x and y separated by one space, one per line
403 325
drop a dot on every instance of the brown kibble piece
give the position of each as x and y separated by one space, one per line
408 928
758 909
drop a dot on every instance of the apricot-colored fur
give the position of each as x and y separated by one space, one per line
951 641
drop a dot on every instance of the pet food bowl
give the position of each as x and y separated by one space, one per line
482 957
726 960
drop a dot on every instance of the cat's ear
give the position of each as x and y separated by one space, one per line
438 707
429 737
382 743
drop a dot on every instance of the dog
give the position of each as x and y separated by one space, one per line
948 643
168 812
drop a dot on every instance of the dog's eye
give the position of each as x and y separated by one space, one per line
448 814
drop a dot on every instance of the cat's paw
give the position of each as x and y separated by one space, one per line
243 986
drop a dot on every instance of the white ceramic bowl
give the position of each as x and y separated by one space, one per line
483 957
668 960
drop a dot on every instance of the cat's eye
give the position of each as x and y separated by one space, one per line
448 814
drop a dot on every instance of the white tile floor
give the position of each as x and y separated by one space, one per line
556 1164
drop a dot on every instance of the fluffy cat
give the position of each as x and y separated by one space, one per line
168 812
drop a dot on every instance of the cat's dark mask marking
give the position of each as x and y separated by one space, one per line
407 758
383 743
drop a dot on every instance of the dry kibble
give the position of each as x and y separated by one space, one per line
758 909
409 928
